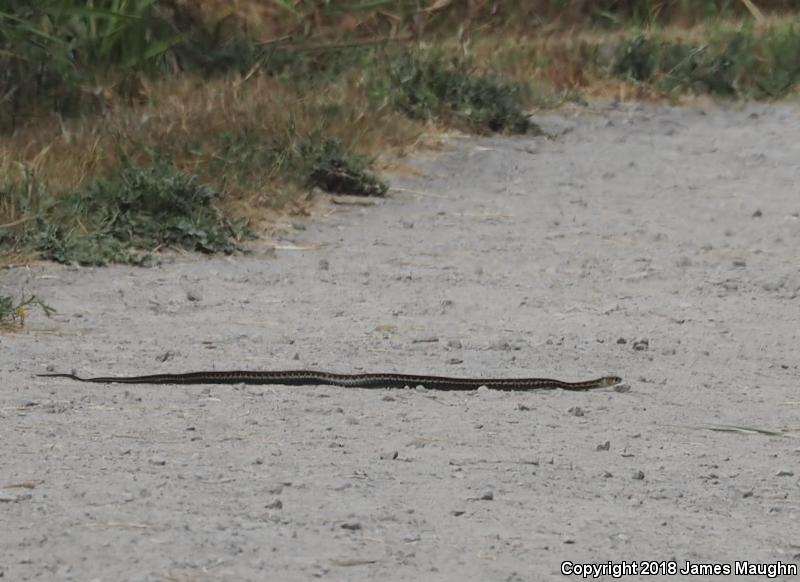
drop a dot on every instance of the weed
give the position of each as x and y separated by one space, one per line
124 219
14 312
330 168
739 63
425 86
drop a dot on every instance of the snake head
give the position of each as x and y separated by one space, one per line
607 381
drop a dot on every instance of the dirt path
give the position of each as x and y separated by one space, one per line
657 244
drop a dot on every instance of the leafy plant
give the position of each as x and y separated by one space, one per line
330 168
15 311
124 219
739 63
426 86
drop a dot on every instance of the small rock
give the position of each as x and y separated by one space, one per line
757 214
454 344
258 461
351 525
607 475
193 295
390 456
168 355
457 512
641 345
277 504
487 496
739 263
324 265
606 446
622 388
622 340
158 461
785 474
455 361
569 541
575 411
638 475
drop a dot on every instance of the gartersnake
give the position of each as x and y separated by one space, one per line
379 380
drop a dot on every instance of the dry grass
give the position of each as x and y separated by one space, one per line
239 133
193 122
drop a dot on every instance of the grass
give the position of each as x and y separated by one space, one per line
740 63
86 191
124 219
131 126
434 87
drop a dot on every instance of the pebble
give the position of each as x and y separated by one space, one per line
638 475
575 411
622 340
351 525
487 496
757 214
455 361
785 474
276 504
324 265
158 461
606 446
454 344
641 345
193 295
389 456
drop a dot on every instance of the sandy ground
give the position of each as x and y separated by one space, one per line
653 243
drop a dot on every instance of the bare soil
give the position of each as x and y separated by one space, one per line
654 243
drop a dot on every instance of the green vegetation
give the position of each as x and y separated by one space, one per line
329 168
741 63
113 221
427 87
13 311
129 126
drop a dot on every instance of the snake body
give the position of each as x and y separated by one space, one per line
378 380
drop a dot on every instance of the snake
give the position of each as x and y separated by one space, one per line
375 380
